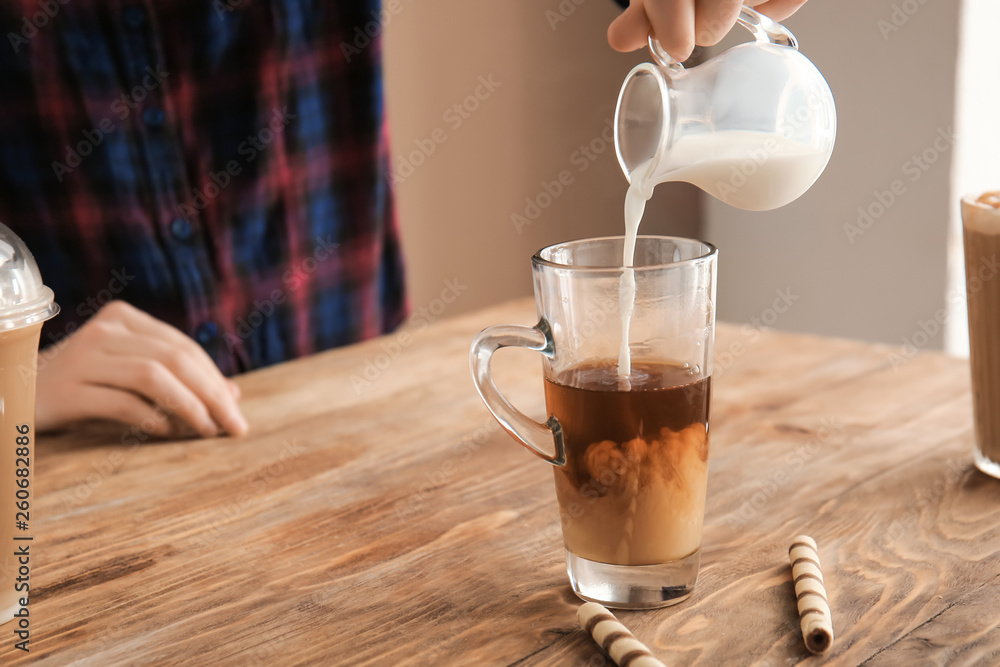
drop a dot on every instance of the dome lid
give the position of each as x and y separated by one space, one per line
24 299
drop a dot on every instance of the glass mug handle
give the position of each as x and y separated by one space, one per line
765 30
534 435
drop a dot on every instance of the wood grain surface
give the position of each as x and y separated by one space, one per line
388 520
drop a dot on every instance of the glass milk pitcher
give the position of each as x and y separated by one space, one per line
753 126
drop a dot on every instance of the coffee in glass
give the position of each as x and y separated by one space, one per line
630 450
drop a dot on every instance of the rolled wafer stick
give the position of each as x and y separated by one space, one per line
615 638
814 609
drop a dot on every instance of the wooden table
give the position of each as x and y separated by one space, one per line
389 521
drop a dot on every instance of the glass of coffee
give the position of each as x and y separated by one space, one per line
629 450
981 233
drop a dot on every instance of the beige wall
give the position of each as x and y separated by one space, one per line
894 93
557 88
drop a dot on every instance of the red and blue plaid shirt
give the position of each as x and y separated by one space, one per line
218 163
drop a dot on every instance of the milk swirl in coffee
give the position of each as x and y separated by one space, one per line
632 491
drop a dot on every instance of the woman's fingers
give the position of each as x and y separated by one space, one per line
128 366
681 24
779 10
630 30
714 19
673 26
143 323
153 381
97 402
209 387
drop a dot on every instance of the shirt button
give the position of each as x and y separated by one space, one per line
153 117
181 229
134 16
206 333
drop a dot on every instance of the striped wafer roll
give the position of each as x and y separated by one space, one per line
615 638
814 609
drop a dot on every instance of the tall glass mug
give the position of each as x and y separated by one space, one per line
630 453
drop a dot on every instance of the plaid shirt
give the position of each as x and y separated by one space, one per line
217 163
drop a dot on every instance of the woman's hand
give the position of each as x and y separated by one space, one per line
681 24
128 366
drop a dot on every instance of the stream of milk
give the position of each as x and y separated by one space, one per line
635 203
747 170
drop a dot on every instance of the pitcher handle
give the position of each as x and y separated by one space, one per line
764 29
534 435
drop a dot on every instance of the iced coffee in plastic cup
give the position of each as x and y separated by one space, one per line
25 303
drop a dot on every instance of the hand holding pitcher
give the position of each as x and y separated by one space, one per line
754 126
